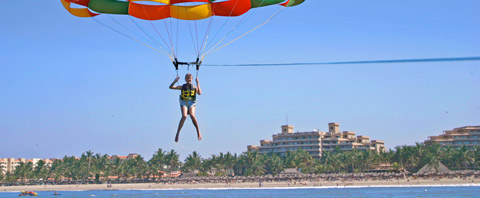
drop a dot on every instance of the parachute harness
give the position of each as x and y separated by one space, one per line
197 64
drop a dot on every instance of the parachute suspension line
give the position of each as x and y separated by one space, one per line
223 25
243 21
173 36
209 29
169 37
131 31
264 23
171 58
177 20
159 34
150 37
224 37
196 33
250 16
170 25
205 39
191 33
216 34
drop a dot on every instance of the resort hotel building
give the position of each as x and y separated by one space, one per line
315 142
9 164
467 135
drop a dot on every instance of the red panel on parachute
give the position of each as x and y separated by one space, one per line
149 12
187 1
231 8
80 2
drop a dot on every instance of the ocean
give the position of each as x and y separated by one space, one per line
426 191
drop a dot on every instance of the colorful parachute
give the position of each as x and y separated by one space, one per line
153 10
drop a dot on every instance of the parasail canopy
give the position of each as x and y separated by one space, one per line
184 10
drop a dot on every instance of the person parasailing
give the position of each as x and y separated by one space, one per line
187 102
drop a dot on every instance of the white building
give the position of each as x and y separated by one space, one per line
315 142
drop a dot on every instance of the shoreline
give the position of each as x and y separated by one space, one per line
249 185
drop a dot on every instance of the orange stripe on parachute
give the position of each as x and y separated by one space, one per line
149 12
157 12
79 12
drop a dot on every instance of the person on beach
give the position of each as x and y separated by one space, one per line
187 102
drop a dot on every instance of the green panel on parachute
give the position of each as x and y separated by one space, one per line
294 2
109 6
261 3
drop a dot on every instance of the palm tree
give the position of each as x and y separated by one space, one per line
19 172
406 156
2 176
71 168
207 167
384 158
325 164
432 160
138 166
192 162
289 160
57 170
365 160
431 156
304 161
115 167
9 177
220 164
158 159
86 160
24 171
448 157
40 171
102 166
254 164
172 160
476 157
465 157
123 168
157 163
229 162
211 165
273 164
416 156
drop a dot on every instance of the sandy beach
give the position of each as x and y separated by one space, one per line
245 185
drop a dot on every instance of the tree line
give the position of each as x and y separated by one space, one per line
94 167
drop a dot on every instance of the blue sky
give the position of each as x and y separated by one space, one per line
70 85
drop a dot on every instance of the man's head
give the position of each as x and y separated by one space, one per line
188 78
